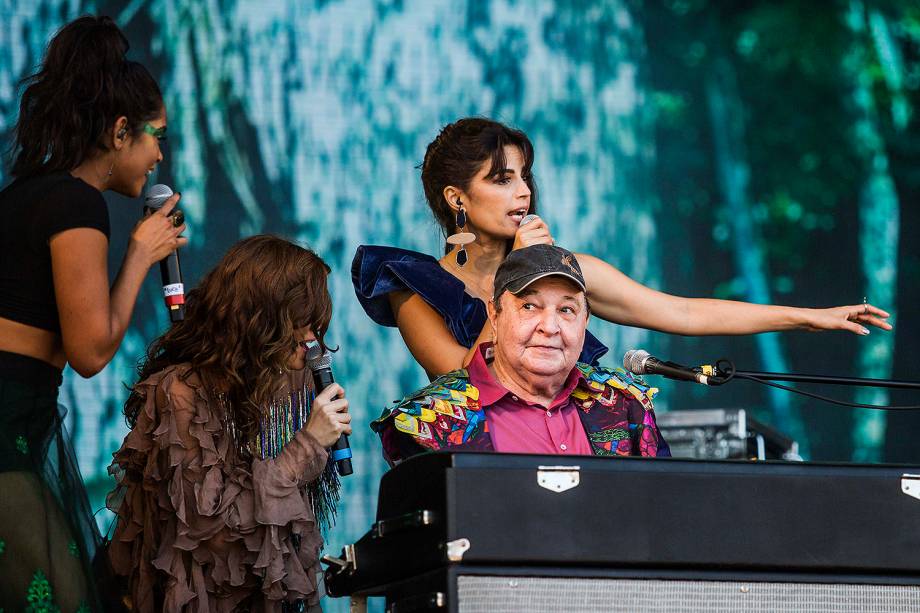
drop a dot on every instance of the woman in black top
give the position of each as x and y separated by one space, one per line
90 120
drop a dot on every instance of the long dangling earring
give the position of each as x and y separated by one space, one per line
461 238
108 175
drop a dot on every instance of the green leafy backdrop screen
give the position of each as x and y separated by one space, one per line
761 151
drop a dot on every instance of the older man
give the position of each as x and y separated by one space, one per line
527 393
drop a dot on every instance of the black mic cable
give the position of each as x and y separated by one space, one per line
727 372
170 270
321 366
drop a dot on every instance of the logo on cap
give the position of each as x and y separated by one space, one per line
567 262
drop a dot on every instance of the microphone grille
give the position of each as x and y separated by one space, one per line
527 219
317 360
634 361
157 195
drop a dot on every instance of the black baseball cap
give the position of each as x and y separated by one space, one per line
524 266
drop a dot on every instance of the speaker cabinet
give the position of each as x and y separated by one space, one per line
502 590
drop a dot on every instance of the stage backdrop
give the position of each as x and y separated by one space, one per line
762 151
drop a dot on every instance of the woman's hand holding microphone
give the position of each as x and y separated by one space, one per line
532 231
329 418
156 235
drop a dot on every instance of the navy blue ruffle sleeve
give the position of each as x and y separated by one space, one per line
376 271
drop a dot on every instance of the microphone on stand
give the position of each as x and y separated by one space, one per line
321 366
639 362
170 270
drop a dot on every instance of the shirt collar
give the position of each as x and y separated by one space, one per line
491 390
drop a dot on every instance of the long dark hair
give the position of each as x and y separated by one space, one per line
84 85
239 324
457 154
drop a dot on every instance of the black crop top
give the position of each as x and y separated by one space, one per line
32 210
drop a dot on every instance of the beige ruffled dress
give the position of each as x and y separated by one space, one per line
202 526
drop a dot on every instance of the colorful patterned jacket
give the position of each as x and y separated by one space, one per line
615 408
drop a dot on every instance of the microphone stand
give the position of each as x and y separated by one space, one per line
726 375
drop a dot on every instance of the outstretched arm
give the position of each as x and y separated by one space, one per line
617 298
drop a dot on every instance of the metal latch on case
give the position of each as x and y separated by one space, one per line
347 564
456 549
910 485
558 478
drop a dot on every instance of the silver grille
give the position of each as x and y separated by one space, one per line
634 361
157 196
553 595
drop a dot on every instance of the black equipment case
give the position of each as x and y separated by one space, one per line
593 517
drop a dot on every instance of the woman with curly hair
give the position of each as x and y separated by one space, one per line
90 121
224 478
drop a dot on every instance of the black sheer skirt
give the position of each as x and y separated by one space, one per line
47 533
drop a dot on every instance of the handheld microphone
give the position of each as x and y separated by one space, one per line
527 219
639 362
170 271
321 365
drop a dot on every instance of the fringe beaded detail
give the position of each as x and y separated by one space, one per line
279 423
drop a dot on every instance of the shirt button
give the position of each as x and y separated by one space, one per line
563 447
549 413
513 397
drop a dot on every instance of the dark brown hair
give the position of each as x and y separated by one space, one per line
238 331
84 85
457 154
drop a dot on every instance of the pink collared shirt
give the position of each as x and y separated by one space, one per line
518 426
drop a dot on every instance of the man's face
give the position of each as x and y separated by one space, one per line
540 332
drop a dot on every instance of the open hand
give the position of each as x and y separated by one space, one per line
853 318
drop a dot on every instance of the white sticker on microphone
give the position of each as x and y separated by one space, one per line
174 289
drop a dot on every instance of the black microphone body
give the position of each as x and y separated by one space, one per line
173 288
170 269
341 450
640 362
672 370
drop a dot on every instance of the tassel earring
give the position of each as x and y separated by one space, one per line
461 238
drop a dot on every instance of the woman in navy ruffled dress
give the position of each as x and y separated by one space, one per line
478 182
